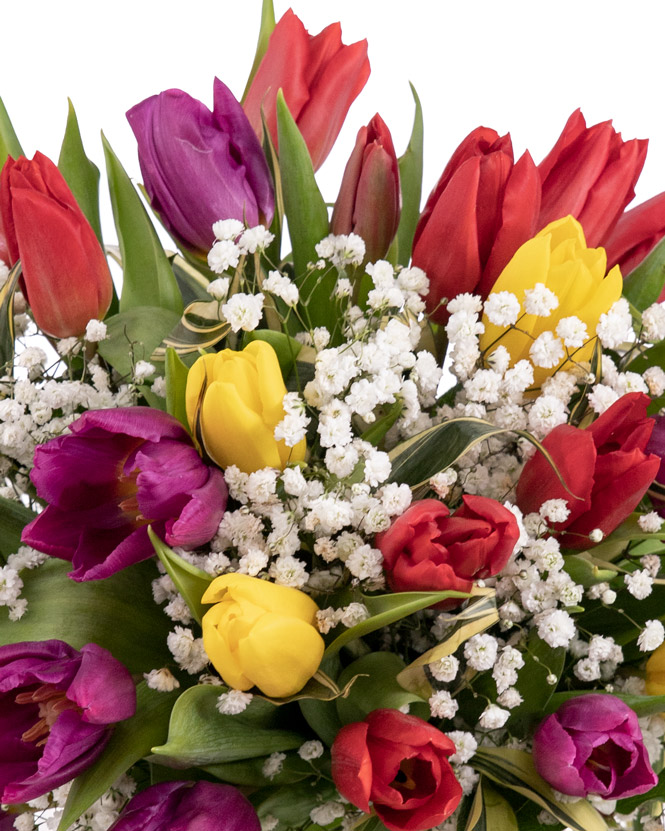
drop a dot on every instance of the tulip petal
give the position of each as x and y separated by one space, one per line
102 687
352 765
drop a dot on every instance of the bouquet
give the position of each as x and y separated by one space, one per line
330 519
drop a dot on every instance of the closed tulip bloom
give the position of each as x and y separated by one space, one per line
237 397
482 209
66 278
200 166
559 259
369 200
319 76
261 634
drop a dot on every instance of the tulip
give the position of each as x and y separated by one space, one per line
200 166
558 258
66 278
606 466
593 745
237 399
261 634
319 76
188 806
118 471
399 763
590 173
655 680
57 709
482 209
369 200
635 235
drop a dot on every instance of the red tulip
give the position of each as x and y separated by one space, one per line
319 76
590 173
482 209
400 763
371 179
605 466
66 278
636 233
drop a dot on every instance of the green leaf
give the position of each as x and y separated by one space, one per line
643 705
627 806
490 811
411 183
307 216
291 805
147 276
200 735
118 613
7 333
377 431
540 660
644 284
190 581
131 741
319 687
267 25
320 716
193 285
14 516
286 347
514 769
135 335
249 772
80 173
9 143
176 384
584 572
628 531
199 327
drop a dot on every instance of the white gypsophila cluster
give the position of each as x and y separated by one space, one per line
187 650
233 241
11 582
233 702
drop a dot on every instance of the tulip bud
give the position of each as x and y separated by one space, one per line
319 76
369 200
237 399
66 278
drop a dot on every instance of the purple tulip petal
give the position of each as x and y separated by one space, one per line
196 523
102 688
554 758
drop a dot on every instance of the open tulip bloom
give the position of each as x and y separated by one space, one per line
263 563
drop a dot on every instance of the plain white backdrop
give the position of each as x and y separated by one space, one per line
519 66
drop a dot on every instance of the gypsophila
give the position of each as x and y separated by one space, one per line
310 750
161 680
652 636
233 702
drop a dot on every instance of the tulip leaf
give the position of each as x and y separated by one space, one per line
148 278
643 705
411 184
200 735
286 347
131 740
319 688
644 284
321 717
7 334
200 327
267 25
14 516
192 283
307 216
540 661
376 432
134 335
81 613
80 173
585 572
190 581
291 805
9 143
249 772
475 618
176 384
514 769
490 811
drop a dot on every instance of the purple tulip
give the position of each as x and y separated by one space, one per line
593 745
117 472
188 806
200 166
57 708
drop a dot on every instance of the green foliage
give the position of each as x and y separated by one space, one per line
134 335
7 318
644 284
14 516
190 581
9 143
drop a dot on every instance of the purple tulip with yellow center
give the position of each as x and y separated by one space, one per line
57 709
119 471
188 806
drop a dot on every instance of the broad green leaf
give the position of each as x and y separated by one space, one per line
267 25
615 543
376 687
540 661
199 327
7 334
627 806
200 735
307 216
190 581
411 183
377 431
286 347
192 283
490 811
653 356
80 173
135 335
644 284
14 516
610 622
514 769
320 716
320 687
477 617
9 143
292 804
643 705
131 741
147 276
176 384
249 772
584 572
118 613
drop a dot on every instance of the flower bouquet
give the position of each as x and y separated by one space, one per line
354 527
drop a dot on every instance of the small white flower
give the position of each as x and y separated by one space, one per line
572 332
223 256
273 765
327 813
95 331
493 717
142 370
556 628
219 288
650 523
225 229
445 669
651 636
233 702
465 746
639 583
480 652
442 704
310 750
502 308
255 239
555 510
162 680
243 311
547 350
540 301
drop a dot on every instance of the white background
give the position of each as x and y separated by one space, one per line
515 65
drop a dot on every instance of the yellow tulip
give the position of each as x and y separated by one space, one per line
238 397
656 672
261 634
557 257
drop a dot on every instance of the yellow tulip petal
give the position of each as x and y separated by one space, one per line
271 387
562 229
222 657
269 596
200 374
